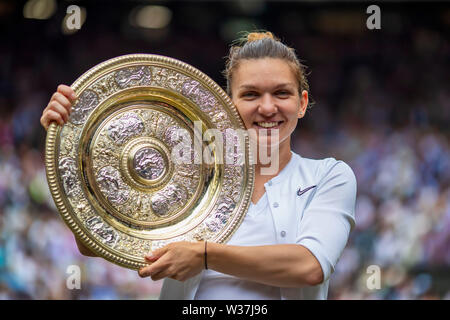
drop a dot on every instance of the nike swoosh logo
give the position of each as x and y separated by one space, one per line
300 191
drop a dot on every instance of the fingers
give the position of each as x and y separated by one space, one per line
159 268
50 116
144 272
178 260
67 91
59 107
151 258
156 272
62 100
155 254
159 275
44 122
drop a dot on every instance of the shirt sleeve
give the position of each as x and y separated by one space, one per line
329 217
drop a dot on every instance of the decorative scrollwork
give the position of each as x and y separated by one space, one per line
87 101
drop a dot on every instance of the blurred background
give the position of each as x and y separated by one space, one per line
382 104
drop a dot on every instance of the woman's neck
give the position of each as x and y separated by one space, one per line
264 172
278 159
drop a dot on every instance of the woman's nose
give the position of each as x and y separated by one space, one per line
267 107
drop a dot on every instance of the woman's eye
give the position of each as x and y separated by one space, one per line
249 94
282 93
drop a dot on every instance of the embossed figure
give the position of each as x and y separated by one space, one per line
68 175
127 126
172 135
105 232
167 199
149 163
111 185
139 75
300 215
194 90
87 102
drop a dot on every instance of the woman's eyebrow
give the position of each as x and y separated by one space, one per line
278 86
247 86
285 85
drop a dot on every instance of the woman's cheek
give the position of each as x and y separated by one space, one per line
247 120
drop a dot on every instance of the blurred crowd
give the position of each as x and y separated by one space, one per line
382 104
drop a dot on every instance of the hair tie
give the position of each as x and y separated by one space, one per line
254 36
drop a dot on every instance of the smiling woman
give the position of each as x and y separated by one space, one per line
268 85
301 214
267 97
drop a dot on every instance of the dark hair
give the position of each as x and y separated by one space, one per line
258 45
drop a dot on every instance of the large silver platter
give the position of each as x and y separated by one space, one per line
121 172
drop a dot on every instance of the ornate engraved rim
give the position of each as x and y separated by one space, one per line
51 151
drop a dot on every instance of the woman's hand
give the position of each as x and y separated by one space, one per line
58 108
281 265
177 260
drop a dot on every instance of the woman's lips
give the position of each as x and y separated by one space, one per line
256 126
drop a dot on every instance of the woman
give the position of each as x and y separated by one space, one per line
300 216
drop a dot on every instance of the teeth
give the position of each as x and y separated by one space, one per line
267 124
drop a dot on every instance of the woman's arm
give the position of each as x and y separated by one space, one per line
284 265
324 231
287 265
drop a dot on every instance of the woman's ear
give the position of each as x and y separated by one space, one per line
303 104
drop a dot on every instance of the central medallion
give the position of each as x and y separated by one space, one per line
146 164
149 163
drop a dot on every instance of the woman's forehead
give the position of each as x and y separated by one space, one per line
264 72
265 63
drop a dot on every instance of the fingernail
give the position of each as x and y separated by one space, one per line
149 255
74 96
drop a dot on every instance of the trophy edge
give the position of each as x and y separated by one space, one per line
50 152
64 212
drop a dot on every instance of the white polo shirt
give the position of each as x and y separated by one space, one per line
310 203
257 229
